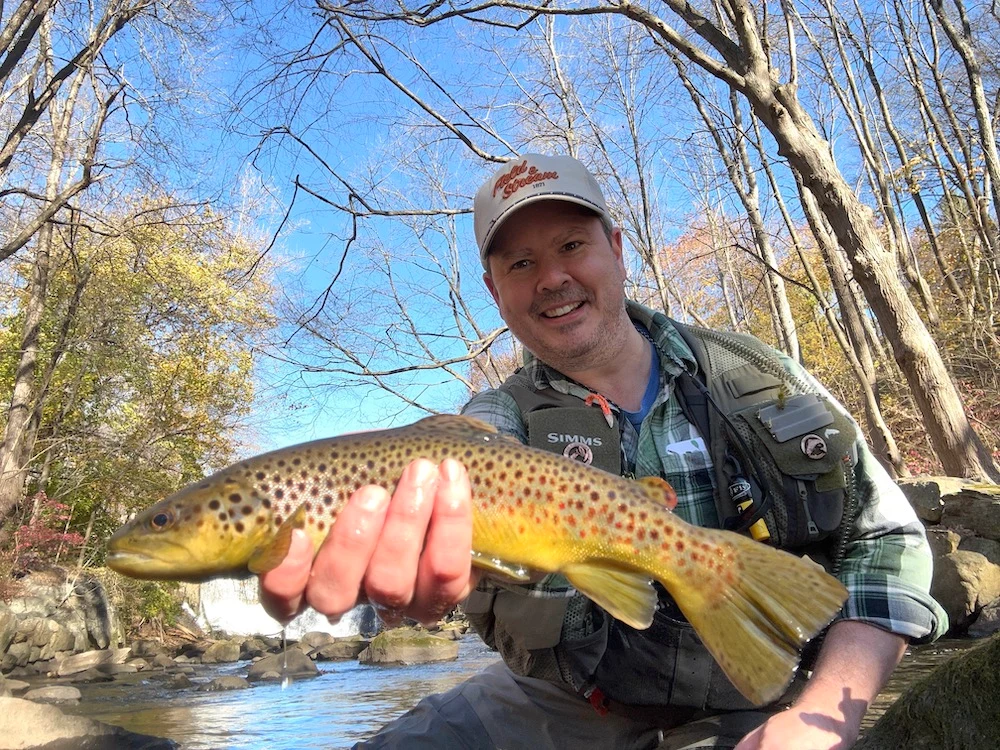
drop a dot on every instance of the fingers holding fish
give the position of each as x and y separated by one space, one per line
445 575
342 563
391 577
282 590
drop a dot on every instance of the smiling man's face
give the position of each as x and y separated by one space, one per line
557 279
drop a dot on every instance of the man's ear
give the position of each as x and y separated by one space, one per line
488 280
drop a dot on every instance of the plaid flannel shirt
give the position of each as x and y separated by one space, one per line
887 569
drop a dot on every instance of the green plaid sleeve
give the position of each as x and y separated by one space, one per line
888 567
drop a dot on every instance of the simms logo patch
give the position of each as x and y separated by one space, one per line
558 437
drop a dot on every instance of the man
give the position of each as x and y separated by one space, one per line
553 263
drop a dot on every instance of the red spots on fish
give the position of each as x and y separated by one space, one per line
641 535
679 545
595 496
622 508
571 520
562 506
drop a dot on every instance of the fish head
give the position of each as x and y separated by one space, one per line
206 530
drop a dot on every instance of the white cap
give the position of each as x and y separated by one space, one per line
532 177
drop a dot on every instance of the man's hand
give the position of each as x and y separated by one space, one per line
409 554
853 665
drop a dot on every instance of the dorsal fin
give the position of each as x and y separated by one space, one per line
459 426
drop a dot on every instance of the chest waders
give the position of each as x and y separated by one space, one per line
783 470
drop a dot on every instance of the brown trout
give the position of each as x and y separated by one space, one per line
534 512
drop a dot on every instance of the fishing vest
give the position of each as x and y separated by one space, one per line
783 464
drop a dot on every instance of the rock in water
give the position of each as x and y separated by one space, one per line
952 708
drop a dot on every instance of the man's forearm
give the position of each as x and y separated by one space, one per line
854 664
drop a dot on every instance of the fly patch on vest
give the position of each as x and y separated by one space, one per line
804 448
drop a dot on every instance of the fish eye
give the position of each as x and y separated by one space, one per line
161 520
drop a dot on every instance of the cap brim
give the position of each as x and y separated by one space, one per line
527 200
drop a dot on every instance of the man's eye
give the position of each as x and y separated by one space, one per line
518 264
571 245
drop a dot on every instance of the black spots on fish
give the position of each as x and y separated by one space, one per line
239 527
296 461
288 508
353 455
518 474
612 495
370 464
289 482
595 495
214 505
266 503
304 474
329 484
321 468
281 462
260 520
314 491
309 507
327 500
236 497
321 525
265 488
223 516
246 510
488 466
204 486
260 475
279 493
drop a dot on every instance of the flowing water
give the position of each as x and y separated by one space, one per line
346 703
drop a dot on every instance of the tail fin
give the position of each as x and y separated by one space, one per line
755 617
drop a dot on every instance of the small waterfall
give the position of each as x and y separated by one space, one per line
231 605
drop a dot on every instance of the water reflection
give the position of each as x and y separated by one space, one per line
346 703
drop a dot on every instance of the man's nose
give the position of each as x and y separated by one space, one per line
552 274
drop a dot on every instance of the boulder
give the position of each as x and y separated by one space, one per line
298 665
228 682
82 662
25 725
964 582
8 626
179 682
988 548
316 639
976 507
162 661
404 646
222 652
148 647
942 541
988 621
17 656
253 648
926 495
340 649
54 694
952 707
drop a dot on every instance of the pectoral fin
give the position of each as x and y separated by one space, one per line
624 594
270 555
501 569
659 491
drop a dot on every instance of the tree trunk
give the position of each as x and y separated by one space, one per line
957 446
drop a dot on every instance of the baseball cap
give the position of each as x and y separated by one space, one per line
530 178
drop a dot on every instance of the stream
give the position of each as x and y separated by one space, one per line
346 703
